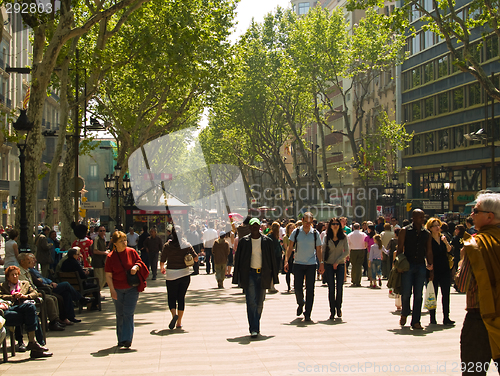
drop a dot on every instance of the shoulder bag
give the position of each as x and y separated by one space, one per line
132 279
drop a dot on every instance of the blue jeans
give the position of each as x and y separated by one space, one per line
335 280
309 271
376 269
413 278
125 308
255 296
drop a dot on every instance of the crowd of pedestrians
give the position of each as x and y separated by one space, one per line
251 255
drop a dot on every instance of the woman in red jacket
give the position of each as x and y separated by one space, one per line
121 260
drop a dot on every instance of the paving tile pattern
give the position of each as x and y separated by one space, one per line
214 339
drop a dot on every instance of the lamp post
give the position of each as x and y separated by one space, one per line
23 127
394 191
111 183
444 185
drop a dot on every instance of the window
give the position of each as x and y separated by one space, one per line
459 136
417 144
443 67
93 171
429 107
442 103
443 139
429 142
473 128
492 47
415 73
414 13
429 72
428 5
474 94
458 98
428 39
415 111
406 81
454 68
303 8
415 44
93 195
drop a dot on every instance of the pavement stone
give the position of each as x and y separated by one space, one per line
214 339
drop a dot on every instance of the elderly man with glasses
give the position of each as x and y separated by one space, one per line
479 277
307 244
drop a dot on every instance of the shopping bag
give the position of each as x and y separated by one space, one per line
430 296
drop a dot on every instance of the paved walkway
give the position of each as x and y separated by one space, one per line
215 340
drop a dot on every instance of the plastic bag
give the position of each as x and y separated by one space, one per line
430 297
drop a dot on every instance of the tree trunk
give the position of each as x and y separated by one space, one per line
60 144
66 198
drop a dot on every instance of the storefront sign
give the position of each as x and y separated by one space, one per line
434 205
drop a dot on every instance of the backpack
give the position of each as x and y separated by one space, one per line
315 233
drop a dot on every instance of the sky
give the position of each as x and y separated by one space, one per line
257 9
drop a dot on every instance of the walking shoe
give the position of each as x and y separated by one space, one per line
307 318
33 346
20 347
402 321
172 322
332 317
339 312
300 309
447 321
40 354
254 334
417 326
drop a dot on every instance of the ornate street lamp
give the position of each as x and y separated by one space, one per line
111 183
23 126
394 192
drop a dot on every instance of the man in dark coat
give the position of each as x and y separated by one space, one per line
254 268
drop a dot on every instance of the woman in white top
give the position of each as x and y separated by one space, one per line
11 249
386 237
375 257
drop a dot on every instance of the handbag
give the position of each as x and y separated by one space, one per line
451 261
132 279
430 297
189 260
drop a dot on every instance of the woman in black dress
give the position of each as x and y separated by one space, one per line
442 271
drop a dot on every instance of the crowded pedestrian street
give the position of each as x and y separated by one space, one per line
214 339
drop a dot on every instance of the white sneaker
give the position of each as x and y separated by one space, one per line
254 334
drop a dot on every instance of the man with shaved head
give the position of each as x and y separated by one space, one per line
415 242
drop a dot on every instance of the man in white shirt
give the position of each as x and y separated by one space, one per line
255 268
132 238
394 224
356 241
209 237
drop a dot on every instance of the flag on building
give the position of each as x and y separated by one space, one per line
26 99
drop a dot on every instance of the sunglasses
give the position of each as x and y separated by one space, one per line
477 211
335 224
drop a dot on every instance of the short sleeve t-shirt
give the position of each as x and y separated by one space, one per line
305 251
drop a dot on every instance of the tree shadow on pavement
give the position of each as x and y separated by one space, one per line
246 340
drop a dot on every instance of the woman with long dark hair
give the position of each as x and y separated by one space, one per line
335 251
177 274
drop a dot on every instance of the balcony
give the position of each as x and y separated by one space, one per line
9 103
2 98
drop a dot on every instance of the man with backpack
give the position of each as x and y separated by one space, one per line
307 244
